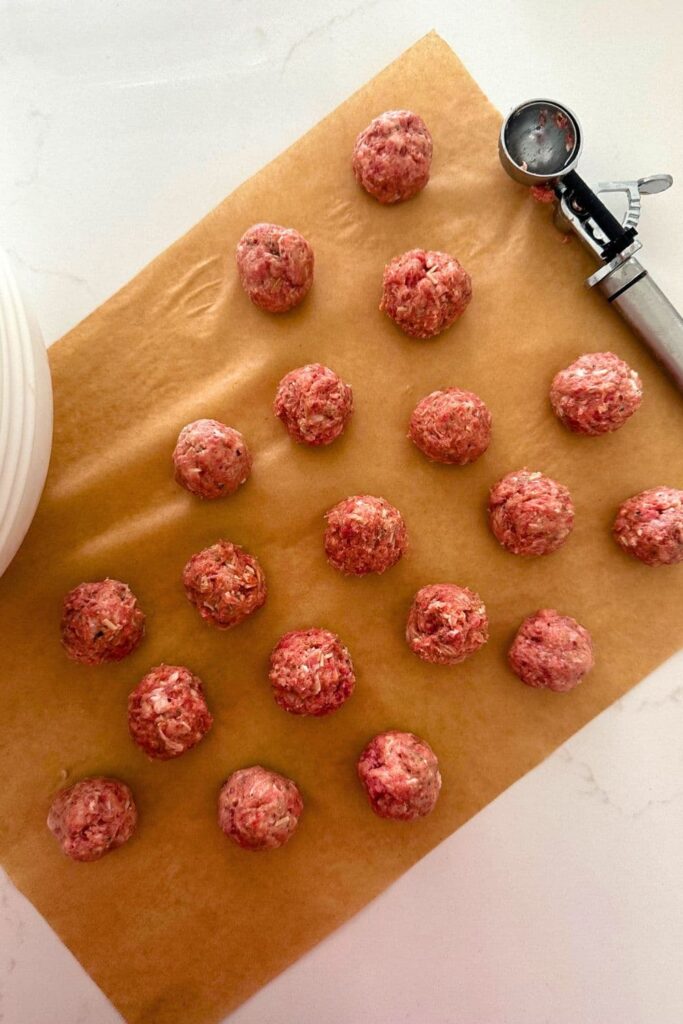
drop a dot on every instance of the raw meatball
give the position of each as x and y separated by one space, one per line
225 584
275 266
400 773
650 526
314 404
452 426
101 622
530 514
551 651
596 394
211 459
311 672
446 624
393 155
364 534
424 292
259 809
167 712
92 817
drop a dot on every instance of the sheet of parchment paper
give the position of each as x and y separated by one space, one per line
180 925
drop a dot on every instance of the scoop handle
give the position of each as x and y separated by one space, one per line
646 309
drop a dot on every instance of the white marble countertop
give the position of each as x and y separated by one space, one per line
123 123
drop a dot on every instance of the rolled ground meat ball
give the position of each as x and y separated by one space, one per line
311 672
314 404
225 584
649 526
452 426
364 534
275 266
259 809
424 292
101 622
92 818
446 623
551 651
400 773
596 394
530 514
167 712
393 155
210 459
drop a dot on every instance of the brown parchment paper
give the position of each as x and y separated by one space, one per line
180 925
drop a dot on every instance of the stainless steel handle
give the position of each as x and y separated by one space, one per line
646 309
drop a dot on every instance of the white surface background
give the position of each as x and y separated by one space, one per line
124 122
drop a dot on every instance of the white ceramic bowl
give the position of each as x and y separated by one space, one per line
25 413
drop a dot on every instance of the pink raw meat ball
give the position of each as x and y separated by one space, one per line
314 404
446 623
392 157
425 292
649 526
225 584
167 712
364 534
259 809
210 459
92 817
311 672
275 266
101 622
400 774
596 394
551 651
529 513
451 426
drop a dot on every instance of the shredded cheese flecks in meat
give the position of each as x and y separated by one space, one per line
424 292
451 426
101 622
529 513
210 459
649 526
446 623
259 809
551 651
275 266
311 672
400 775
225 584
92 817
392 157
364 534
596 394
167 712
314 404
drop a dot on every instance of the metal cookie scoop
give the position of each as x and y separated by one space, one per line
540 143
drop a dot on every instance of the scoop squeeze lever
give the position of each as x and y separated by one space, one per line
540 143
